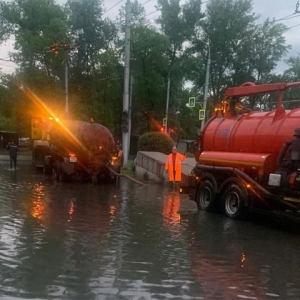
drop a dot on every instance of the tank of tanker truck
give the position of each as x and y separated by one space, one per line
79 151
248 159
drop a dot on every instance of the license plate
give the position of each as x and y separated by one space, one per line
73 159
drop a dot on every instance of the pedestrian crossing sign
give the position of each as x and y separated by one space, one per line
192 101
201 114
164 122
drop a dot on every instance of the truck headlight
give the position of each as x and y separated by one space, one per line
114 161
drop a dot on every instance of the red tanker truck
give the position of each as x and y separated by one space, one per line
248 160
75 150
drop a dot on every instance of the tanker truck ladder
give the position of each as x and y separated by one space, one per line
249 89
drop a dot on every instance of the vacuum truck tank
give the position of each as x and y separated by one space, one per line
78 150
248 160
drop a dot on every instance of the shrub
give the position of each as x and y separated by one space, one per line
155 141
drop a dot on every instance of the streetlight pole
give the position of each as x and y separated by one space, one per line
206 88
167 104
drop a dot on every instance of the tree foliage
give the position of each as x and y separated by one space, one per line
51 38
155 141
240 49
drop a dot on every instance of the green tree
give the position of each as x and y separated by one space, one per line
35 24
94 66
5 26
155 141
240 50
293 72
267 48
179 23
149 64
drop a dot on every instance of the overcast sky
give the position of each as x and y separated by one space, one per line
266 8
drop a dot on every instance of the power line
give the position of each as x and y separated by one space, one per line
112 7
284 18
8 60
152 12
291 16
288 18
158 8
293 27
146 2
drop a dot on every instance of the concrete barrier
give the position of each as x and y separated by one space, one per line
150 165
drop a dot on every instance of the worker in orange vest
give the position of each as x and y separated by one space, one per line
120 157
173 165
119 154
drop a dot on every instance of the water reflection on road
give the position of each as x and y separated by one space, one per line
84 241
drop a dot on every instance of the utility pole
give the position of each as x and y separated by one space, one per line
67 85
167 104
125 129
206 88
130 110
55 48
67 48
297 11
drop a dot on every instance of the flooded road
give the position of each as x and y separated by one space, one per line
124 241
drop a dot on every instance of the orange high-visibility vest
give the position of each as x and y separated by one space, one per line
120 158
174 176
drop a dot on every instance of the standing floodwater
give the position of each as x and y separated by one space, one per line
124 241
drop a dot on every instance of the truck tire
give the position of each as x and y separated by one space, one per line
234 202
205 196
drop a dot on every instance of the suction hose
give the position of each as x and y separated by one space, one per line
126 176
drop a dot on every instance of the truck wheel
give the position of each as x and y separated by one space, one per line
205 196
234 202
